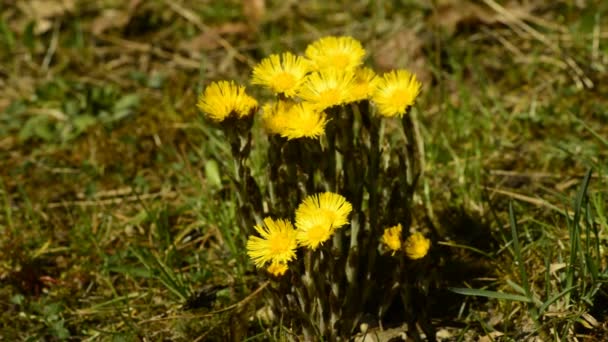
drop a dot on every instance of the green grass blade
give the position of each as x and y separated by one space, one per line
7 36
580 197
472 249
7 206
597 135
553 299
516 286
591 248
490 294
163 273
574 227
517 250
548 258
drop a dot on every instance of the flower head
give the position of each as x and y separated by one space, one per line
277 268
304 120
335 52
313 229
275 116
222 99
395 92
319 215
327 88
364 84
294 120
392 238
276 244
417 246
282 74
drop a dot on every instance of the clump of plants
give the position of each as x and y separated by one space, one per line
331 226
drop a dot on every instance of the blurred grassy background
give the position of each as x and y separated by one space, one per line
115 206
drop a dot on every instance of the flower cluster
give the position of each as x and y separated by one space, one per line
416 246
317 218
330 74
333 106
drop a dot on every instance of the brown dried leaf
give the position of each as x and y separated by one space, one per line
451 13
491 336
43 11
114 18
402 50
7 143
4 102
110 18
207 40
378 335
254 11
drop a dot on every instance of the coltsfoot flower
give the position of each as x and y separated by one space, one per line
318 216
328 88
395 92
275 116
277 268
363 85
283 74
417 246
304 121
277 242
392 238
343 53
222 99
313 229
294 120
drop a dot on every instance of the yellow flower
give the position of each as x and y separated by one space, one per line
275 116
313 229
277 268
364 85
294 120
283 73
318 216
335 52
392 238
395 92
304 121
417 246
276 244
327 88
222 99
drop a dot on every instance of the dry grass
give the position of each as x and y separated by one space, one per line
114 213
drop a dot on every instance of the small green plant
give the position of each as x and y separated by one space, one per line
333 227
62 110
573 286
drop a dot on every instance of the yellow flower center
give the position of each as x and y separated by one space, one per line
279 244
284 81
309 125
318 233
330 215
417 246
340 60
393 242
330 97
398 98
360 91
